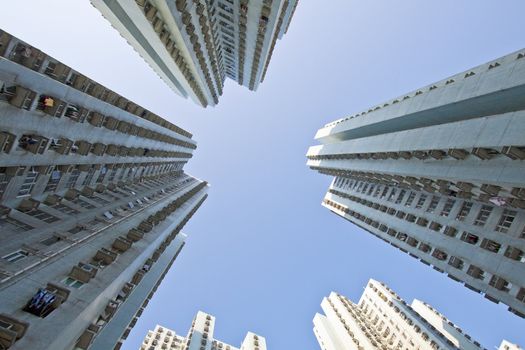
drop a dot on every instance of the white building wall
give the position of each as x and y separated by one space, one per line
454 143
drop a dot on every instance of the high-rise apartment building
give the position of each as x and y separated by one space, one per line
382 320
92 201
194 45
438 173
200 337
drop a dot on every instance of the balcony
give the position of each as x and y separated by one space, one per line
137 277
469 238
476 272
492 190
57 71
110 123
79 82
83 272
516 153
77 114
110 310
440 255
27 56
490 245
122 244
96 90
499 283
28 205
51 105
6 141
52 199
95 119
123 126
135 235
125 291
81 147
104 257
98 149
145 226
421 221
33 143
11 330
459 154
112 150
46 300
86 338
514 253
72 194
61 146
20 97
435 226
484 153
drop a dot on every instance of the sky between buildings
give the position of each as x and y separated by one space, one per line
262 252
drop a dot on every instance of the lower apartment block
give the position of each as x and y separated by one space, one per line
199 337
382 320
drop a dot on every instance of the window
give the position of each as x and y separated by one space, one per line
40 215
73 177
456 262
464 211
433 204
29 183
71 282
89 177
506 221
483 215
50 241
410 199
14 225
439 254
15 256
476 272
421 201
392 195
499 283
514 253
490 245
425 248
54 179
112 174
4 181
401 196
101 175
469 238
521 295
449 204
383 194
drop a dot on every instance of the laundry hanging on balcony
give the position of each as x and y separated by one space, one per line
42 303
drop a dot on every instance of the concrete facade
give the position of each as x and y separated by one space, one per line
382 320
199 337
92 201
438 173
194 45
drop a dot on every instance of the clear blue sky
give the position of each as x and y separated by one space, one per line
262 252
